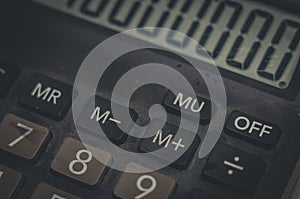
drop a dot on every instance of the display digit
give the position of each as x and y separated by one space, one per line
237 45
204 8
284 63
117 8
283 28
70 3
215 19
85 8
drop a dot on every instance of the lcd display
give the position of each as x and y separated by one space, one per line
245 37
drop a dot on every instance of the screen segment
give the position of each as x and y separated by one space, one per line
245 37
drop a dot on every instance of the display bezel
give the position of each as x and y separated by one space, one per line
289 93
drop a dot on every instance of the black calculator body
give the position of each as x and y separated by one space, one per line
254 43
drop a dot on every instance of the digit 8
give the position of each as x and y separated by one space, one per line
81 161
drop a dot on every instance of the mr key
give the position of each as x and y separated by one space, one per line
46 96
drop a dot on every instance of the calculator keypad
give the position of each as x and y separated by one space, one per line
22 137
225 165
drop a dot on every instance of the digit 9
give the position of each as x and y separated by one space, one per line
145 190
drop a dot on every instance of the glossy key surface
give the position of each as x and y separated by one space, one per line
151 185
21 137
75 162
9 182
46 191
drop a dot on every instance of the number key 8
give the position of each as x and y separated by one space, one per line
77 163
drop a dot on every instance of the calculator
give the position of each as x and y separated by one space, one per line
254 45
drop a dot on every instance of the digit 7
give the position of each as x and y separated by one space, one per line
28 129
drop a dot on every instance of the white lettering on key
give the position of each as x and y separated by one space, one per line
28 131
264 130
233 165
46 94
179 99
186 103
178 144
54 95
251 127
166 140
255 126
114 120
38 91
148 190
104 117
80 161
55 196
200 107
237 124
161 140
99 117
